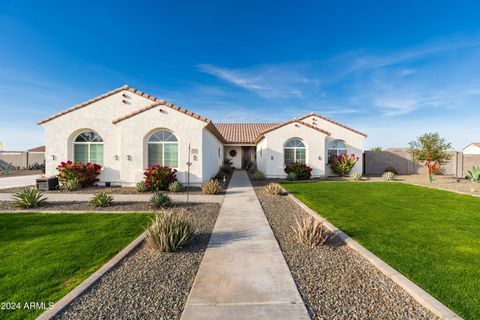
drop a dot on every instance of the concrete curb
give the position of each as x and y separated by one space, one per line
420 295
87 283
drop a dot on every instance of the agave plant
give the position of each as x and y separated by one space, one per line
29 198
170 230
72 184
159 200
474 174
175 186
101 199
356 176
389 176
141 186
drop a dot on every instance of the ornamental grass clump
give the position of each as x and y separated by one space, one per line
356 176
159 177
170 231
160 200
212 187
273 189
29 198
310 232
343 164
258 175
101 199
85 173
389 176
175 186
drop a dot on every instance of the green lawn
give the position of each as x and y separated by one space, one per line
44 256
429 235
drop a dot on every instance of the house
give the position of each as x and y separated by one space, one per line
472 148
125 130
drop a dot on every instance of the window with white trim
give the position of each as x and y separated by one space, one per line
163 149
294 151
336 148
88 147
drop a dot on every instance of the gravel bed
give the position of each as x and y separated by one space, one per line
18 173
148 284
334 281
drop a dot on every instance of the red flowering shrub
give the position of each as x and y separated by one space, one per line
85 173
301 170
158 177
343 164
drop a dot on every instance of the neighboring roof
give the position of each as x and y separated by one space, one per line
243 132
37 149
260 137
334 122
477 144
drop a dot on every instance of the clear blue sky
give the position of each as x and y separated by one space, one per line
392 70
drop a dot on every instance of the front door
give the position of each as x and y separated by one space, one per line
246 156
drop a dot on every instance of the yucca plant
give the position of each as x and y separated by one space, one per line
141 186
170 230
29 198
72 185
389 176
159 200
273 188
356 176
101 199
212 187
258 175
175 186
310 232
474 174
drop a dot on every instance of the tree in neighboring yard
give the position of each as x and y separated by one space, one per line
376 149
431 149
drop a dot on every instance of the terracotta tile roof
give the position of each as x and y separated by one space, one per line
262 134
243 132
37 149
334 122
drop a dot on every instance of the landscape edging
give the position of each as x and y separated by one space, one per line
420 295
91 280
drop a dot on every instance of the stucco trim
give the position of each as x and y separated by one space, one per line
329 120
262 135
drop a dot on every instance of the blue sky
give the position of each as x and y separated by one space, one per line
391 69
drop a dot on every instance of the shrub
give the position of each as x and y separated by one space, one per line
291 176
227 166
141 186
474 174
273 188
376 149
310 232
158 177
159 200
175 186
85 173
343 164
72 185
391 169
356 176
212 187
389 176
170 231
29 198
258 175
101 199
301 170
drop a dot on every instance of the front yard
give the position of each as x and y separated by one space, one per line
44 256
431 236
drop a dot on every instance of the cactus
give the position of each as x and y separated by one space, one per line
474 174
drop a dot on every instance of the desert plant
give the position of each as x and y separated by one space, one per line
159 177
273 188
343 164
301 170
175 186
159 200
391 169
102 199
227 166
29 198
212 186
72 184
141 186
258 175
170 230
356 176
310 232
376 149
291 176
85 173
7 168
474 174
389 176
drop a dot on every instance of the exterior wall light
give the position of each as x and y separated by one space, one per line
54 157
116 158
129 158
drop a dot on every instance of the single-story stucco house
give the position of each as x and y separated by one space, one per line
125 130
472 148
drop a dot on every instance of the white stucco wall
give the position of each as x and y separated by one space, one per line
270 155
471 149
213 154
237 160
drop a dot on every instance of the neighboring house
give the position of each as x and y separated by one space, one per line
472 148
125 130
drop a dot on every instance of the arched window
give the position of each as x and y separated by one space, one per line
336 148
294 151
88 147
163 149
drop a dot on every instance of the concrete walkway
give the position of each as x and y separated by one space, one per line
17 181
65 197
243 273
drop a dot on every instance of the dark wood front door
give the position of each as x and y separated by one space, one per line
246 156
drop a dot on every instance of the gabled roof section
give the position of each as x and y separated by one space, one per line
243 133
262 134
334 122
37 149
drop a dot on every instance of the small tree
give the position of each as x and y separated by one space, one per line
376 149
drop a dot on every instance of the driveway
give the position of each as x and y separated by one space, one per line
20 181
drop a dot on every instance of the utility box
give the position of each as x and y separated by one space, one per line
46 184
